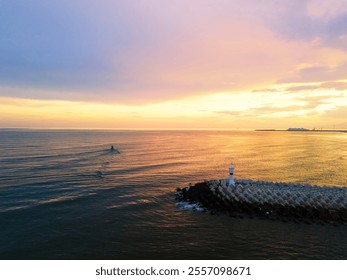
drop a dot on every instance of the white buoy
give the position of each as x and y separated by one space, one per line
231 175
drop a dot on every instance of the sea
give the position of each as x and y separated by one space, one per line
65 195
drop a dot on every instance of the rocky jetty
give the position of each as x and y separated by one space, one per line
275 200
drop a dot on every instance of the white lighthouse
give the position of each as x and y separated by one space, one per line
231 176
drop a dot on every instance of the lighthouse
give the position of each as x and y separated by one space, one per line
231 176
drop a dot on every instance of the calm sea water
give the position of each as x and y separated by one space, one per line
64 195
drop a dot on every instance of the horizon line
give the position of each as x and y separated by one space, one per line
165 129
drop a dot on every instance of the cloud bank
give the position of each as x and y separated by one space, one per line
146 51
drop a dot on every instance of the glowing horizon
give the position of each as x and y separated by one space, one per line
154 65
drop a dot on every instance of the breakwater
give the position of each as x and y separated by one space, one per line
269 199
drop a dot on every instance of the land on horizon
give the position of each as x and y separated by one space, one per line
304 130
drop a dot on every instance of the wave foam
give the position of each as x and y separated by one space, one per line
183 205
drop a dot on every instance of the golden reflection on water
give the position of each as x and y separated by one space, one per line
306 157
314 158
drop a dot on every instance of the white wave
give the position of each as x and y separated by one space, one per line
183 205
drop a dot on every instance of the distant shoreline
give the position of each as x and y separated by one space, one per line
307 130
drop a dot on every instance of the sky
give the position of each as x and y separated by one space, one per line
153 64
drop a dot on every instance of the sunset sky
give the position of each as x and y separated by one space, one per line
154 64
